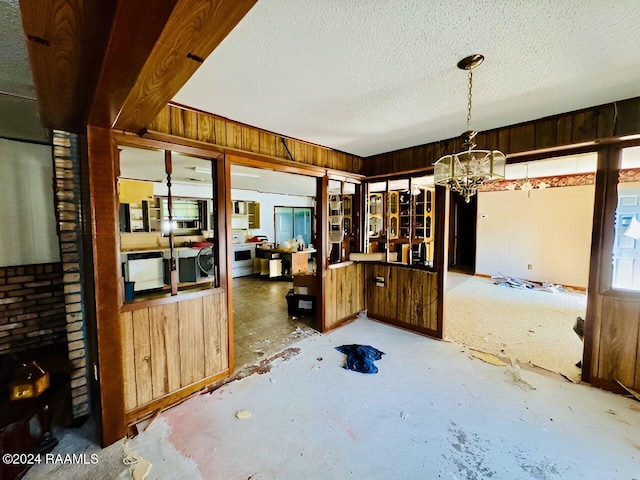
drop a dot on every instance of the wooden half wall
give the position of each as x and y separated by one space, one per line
237 138
403 296
343 293
172 350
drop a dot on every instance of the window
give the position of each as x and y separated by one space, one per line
168 234
626 242
291 222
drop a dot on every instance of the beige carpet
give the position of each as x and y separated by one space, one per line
529 326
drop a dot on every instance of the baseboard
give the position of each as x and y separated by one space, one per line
571 287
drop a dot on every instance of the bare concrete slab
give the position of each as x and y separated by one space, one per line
432 411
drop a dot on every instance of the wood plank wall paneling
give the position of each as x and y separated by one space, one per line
128 360
409 297
344 296
620 341
183 122
216 334
592 124
172 346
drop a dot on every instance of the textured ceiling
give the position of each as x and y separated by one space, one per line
373 76
18 107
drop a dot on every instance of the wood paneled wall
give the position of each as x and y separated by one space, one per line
343 294
408 298
588 125
170 347
616 346
236 138
612 324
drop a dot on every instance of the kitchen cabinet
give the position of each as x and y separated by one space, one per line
134 191
245 215
143 216
424 230
375 211
253 213
393 218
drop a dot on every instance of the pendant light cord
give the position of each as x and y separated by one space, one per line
469 98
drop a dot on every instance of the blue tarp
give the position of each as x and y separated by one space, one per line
360 358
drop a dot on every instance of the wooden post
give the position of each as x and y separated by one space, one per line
173 270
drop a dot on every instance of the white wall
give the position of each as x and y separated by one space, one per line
27 217
267 203
549 229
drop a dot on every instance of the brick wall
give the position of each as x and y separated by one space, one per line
32 307
68 201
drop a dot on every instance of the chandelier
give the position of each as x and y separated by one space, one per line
464 172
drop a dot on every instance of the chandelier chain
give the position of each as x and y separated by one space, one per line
469 98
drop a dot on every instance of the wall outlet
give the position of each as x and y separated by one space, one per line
529 267
379 281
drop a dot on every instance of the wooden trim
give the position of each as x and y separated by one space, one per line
609 385
441 254
627 295
154 302
103 172
406 326
605 204
223 186
168 142
342 322
256 160
339 265
322 254
169 400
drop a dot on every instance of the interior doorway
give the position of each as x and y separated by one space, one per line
462 233
272 219
532 243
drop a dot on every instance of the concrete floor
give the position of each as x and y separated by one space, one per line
432 411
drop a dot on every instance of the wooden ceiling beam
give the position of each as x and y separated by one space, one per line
194 30
65 40
111 63
137 26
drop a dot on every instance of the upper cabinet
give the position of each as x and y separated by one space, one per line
134 191
401 221
245 215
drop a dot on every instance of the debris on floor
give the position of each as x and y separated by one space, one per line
360 358
514 371
242 414
631 392
138 466
513 282
488 358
